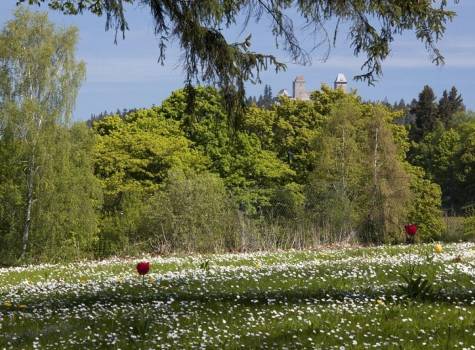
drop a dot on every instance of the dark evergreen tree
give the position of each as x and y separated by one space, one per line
260 101
268 96
449 104
401 106
425 113
96 117
121 113
251 101
266 100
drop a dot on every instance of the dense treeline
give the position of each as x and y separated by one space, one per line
291 174
442 143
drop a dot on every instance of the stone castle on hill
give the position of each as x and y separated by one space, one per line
299 91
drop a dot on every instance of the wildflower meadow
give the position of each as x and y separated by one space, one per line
173 206
388 297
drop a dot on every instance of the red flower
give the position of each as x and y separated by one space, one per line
143 267
411 229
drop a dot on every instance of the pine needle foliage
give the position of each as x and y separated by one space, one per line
208 57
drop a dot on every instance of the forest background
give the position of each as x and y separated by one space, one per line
287 174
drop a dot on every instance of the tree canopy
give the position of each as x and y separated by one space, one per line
48 192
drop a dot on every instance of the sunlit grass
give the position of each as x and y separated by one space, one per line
328 298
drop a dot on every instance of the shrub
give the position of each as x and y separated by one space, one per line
469 226
425 206
192 213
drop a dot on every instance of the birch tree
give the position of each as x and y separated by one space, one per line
39 82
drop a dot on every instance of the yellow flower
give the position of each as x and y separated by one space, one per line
380 302
22 306
438 248
7 304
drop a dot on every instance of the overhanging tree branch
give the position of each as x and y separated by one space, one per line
209 58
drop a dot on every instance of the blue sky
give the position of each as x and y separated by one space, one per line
127 75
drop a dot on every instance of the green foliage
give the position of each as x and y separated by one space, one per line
425 113
244 159
465 169
359 184
173 178
439 132
447 156
333 159
334 187
387 189
65 215
49 194
469 226
206 125
288 202
437 153
296 125
425 206
192 213
119 224
415 286
449 104
133 156
135 153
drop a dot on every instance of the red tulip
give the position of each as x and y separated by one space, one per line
143 267
411 229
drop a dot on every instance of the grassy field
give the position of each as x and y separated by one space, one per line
393 297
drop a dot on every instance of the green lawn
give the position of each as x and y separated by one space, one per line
346 298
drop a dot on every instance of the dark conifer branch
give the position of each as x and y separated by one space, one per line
209 58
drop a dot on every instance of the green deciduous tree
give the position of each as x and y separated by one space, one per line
297 124
192 213
446 155
424 208
465 169
136 152
133 156
67 196
39 81
438 154
387 188
245 157
361 184
334 190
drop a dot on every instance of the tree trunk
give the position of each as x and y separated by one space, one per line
29 205
377 204
375 158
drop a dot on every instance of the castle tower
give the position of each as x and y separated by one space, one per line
340 82
299 92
